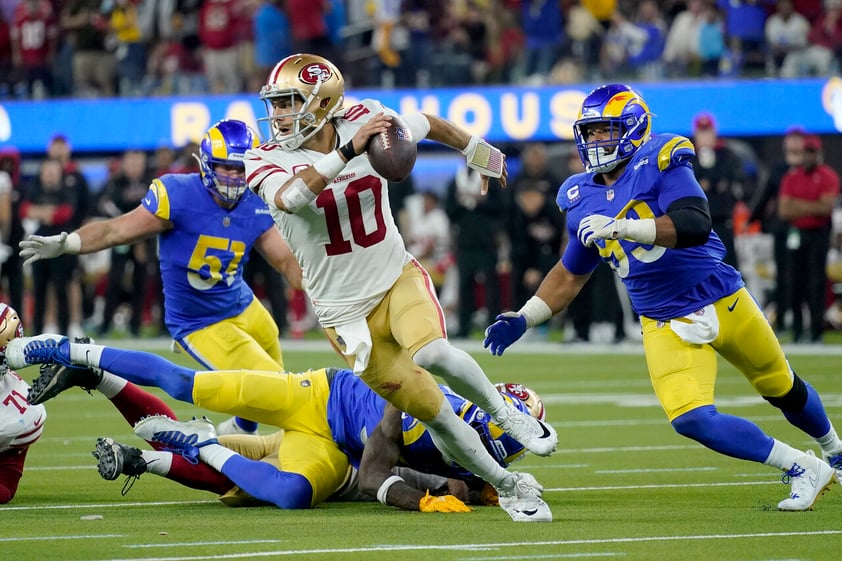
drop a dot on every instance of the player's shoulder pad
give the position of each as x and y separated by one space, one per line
671 149
568 194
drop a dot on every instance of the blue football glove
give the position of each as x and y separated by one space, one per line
508 328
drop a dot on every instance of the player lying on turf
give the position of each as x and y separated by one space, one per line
149 414
326 415
21 424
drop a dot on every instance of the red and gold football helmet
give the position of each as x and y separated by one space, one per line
530 399
10 325
302 93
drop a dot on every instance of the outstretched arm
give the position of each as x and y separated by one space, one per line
381 454
128 228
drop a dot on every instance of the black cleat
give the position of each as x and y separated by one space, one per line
55 378
115 459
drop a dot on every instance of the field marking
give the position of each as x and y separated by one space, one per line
550 556
191 544
104 505
657 470
480 546
44 538
659 486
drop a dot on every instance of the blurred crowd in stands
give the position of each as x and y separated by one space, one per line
88 48
486 254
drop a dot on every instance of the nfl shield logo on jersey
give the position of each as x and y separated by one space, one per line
610 195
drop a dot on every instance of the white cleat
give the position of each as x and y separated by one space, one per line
810 477
40 349
522 501
183 437
538 437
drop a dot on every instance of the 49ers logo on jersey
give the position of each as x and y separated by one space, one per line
313 73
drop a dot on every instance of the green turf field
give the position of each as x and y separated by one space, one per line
622 485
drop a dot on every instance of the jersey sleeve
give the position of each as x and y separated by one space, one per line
678 183
157 199
266 172
676 151
578 259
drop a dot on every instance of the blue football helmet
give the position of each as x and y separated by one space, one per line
225 143
502 447
624 112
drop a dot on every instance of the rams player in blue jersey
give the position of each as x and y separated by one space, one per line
329 417
207 224
639 208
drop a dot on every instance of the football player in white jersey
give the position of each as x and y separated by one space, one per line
374 300
21 424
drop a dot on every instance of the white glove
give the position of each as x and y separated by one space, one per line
599 227
35 248
484 157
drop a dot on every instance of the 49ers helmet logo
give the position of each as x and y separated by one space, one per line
314 72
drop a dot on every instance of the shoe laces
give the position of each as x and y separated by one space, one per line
835 461
178 442
794 471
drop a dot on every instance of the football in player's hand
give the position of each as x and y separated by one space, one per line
392 153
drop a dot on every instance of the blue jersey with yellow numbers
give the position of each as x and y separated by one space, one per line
354 410
663 283
202 256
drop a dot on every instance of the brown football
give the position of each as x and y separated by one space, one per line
392 153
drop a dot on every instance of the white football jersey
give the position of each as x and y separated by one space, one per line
20 423
346 240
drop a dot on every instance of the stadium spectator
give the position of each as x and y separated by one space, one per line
50 207
806 200
478 221
121 194
825 37
681 50
428 237
711 44
786 41
720 174
745 28
11 271
81 294
764 207
272 39
130 50
218 33
85 30
543 28
585 35
34 40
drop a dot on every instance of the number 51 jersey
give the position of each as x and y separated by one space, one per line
345 240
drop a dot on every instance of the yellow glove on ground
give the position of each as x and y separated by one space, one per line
444 503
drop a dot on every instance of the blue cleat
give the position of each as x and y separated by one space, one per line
181 437
41 349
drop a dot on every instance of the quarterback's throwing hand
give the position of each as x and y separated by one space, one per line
35 248
508 328
599 227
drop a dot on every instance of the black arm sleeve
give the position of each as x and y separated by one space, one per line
691 216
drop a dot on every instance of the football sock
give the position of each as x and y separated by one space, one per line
215 455
158 462
726 434
461 443
830 442
462 374
142 368
111 385
783 456
812 418
196 476
134 404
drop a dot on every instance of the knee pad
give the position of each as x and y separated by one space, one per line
794 399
